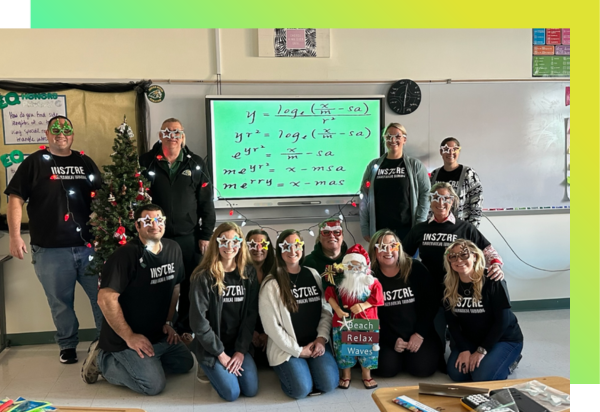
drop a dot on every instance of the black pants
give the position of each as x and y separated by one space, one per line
191 259
421 364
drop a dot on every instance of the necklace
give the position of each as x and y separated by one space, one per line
467 291
294 282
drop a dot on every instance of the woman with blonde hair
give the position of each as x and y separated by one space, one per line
394 189
487 339
408 340
297 320
223 311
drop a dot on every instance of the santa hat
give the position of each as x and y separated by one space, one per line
357 253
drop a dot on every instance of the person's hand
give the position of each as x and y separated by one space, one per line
172 336
357 308
318 347
475 360
203 245
140 344
224 360
341 314
367 238
307 351
414 343
263 339
17 246
462 362
400 345
495 272
235 364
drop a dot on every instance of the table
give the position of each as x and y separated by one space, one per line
383 396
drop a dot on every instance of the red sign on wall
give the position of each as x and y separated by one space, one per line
360 338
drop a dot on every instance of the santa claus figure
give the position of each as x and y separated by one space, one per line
356 294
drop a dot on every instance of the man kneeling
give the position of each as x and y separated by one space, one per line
139 289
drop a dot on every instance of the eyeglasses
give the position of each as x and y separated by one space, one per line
57 129
326 232
147 221
355 267
172 134
263 244
235 242
392 137
447 149
436 197
453 257
287 247
387 247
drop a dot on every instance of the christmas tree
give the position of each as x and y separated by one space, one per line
113 206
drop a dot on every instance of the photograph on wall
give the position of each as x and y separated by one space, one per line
295 43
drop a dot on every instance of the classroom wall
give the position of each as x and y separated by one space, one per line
356 55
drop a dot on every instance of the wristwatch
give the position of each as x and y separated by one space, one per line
482 350
171 324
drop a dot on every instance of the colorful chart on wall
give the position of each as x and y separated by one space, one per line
551 53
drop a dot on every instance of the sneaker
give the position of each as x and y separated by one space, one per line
201 376
68 356
514 365
90 371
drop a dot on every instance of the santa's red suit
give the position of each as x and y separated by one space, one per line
375 299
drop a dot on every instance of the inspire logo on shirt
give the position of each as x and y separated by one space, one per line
233 293
162 273
68 172
400 296
469 305
391 173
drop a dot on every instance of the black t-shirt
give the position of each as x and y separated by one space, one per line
433 238
392 191
145 282
452 177
477 320
308 297
233 303
47 205
408 307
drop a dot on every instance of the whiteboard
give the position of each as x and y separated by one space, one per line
26 121
512 133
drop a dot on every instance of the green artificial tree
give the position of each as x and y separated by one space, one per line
123 190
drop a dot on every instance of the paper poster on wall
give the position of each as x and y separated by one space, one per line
12 169
293 43
568 136
551 53
25 116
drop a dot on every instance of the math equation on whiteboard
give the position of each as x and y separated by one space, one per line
292 148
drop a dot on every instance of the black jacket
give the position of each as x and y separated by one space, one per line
185 199
206 305
317 259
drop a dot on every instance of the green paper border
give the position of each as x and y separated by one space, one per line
581 17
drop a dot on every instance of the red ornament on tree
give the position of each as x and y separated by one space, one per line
111 199
140 195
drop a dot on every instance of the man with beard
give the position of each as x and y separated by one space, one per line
329 246
138 293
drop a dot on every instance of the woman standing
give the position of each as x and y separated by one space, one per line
297 320
486 333
223 313
395 189
407 338
463 180
263 259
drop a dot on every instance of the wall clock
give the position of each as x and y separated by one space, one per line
404 96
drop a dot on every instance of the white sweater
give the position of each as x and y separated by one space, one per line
277 321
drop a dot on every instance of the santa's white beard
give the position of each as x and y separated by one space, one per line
355 284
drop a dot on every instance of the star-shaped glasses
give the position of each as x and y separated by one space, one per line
263 244
171 134
387 247
355 267
436 197
447 149
56 129
234 242
391 137
147 221
287 247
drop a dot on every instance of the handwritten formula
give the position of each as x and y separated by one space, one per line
26 122
292 148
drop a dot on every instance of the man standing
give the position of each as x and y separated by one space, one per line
179 184
57 182
329 248
138 293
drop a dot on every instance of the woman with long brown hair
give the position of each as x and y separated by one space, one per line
223 311
297 320
407 337
487 339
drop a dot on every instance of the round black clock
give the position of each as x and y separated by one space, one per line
404 96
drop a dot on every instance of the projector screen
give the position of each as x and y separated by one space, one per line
288 151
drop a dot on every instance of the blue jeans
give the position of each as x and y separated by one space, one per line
58 270
298 376
494 366
147 375
229 386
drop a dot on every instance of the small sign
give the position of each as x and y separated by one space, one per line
561 50
363 338
358 350
360 324
568 96
539 36
295 39
543 50
566 36
553 36
155 93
